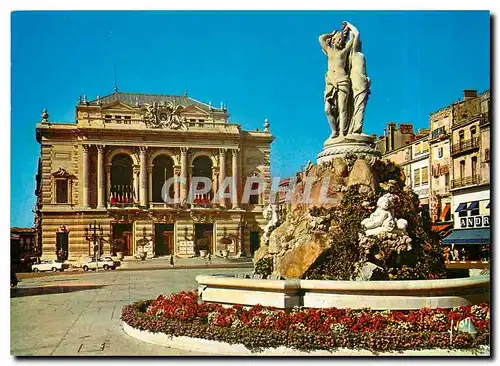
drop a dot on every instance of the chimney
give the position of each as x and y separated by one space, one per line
470 94
391 126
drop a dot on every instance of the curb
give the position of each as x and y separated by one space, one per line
25 275
217 348
186 266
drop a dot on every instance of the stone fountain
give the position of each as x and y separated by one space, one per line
357 240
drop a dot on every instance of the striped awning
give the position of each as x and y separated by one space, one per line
468 237
461 207
473 206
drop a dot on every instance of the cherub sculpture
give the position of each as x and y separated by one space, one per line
383 220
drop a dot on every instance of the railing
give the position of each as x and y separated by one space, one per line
121 196
466 181
122 204
161 205
138 122
465 145
204 201
438 132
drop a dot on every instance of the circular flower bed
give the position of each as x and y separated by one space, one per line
260 327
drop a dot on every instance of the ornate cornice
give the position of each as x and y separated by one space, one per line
161 115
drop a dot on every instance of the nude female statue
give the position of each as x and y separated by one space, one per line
359 81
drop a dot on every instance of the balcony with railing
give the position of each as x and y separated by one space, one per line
466 181
464 146
116 122
437 132
122 196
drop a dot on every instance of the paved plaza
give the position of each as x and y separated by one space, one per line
79 314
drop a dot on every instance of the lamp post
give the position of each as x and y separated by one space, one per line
242 226
94 233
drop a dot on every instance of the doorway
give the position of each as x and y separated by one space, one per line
254 241
164 239
122 239
203 237
62 246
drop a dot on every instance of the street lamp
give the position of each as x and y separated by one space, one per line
96 234
242 226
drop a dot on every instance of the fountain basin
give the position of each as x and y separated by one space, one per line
377 295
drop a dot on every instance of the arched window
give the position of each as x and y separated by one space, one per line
202 167
122 190
163 169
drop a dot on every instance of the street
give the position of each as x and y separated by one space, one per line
79 314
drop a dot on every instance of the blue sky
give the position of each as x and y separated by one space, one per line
261 64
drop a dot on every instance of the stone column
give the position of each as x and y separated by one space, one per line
143 189
108 182
184 174
236 174
150 184
85 176
215 180
222 173
135 182
100 178
177 184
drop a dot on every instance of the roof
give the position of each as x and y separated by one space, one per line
132 98
468 237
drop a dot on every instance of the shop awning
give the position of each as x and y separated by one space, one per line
439 228
473 206
461 207
488 205
445 212
468 237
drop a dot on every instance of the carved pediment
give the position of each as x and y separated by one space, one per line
164 115
195 110
62 173
116 106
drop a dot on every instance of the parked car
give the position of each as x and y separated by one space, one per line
102 263
49 265
109 259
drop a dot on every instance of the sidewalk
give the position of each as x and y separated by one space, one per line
195 262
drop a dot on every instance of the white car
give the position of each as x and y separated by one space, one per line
103 263
49 265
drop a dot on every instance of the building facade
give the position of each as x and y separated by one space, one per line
410 151
470 184
419 170
111 166
440 167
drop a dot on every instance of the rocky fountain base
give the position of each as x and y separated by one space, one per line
363 244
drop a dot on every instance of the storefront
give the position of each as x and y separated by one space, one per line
469 245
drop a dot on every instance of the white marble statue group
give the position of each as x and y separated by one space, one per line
347 86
